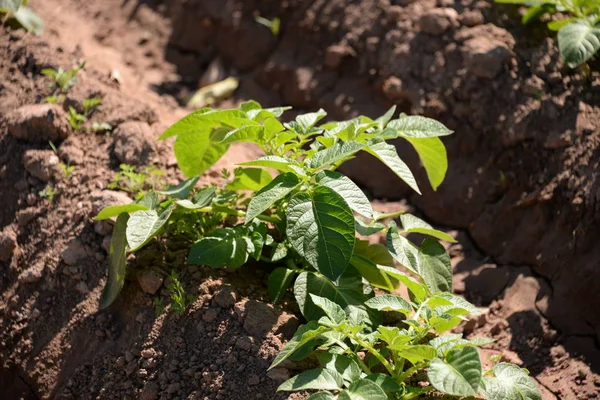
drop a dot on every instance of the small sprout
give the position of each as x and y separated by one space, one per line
54 99
90 104
63 80
180 299
75 119
49 193
274 24
128 180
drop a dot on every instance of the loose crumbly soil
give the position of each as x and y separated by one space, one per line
521 193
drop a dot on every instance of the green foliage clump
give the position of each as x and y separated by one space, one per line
578 34
304 221
15 14
137 183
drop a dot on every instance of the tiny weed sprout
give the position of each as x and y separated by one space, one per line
75 119
303 223
15 14
578 34
128 180
272 24
48 193
67 169
62 80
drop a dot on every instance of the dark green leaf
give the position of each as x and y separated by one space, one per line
387 383
303 335
279 282
331 309
418 290
117 261
389 302
344 186
222 247
276 190
365 229
343 365
320 379
388 155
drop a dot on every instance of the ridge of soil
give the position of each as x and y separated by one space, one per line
510 141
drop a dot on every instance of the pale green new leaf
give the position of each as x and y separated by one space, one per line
276 190
385 118
117 261
307 121
415 126
322 396
412 224
320 227
459 374
367 257
364 389
578 42
275 162
389 302
344 186
113 211
250 179
339 151
387 154
319 379
144 225
432 153
204 121
250 133
196 152
201 199
415 354
418 289
509 383
10 6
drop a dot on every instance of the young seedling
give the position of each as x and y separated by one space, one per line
67 169
15 14
180 300
128 180
304 221
272 24
63 80
48 193
75 119
578 34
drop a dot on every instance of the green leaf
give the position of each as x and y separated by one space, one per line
272 127
430 261
365 259
388 155
432 153
578 42
10 6
331 309
204 121
29 20
348 294
509 383
144 225
250 134
150 200
303 335
276 190
222 247
412 224
201 199
393 336
365 229
320 379
320 227
182 190
113 211
415 126
387 383
459 374
558 25
275 162
363 390
389 302
344 186
260 115
341 364
339 151
415 354
279 282
322 396
385 118
307 121
117 262
418 290
250 179
196 152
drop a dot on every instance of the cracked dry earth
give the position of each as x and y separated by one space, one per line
520 196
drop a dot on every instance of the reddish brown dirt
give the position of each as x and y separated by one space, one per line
521 189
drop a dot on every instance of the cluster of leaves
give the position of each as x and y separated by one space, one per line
16 14
304 221
578 34
137 183
179 299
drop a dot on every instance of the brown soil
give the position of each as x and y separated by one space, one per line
521 191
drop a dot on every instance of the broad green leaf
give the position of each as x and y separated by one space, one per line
276 190
459 374
393 336
388 155
196 152
348 294
319 379
150 200
275 162
364 389
117 262
249 105
415 126
113 211
260 115
272 127
10 6
365 229
303 335
558 25
307 121
444 343
182 190
322 396
343 365
279 282
535 13
389 302
320 227
250 133
444 323
202 199
279 252
430 261
339 151
578 42
509 383
344 186
144 225
415 354
331 309
29 20
432 153
250 179
457 305
203 122
222 247
412 224
418 289
365 259
388 384
385 118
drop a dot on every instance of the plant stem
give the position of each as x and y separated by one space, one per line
237 213
417 393
409 372
377 354
389 215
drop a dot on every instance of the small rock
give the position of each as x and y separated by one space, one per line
335 54
395 12
129 356
472 18
225 298
260 318
74 252
42 164
150 281
82 288
438 20
173 387
120 363
71 152
485 57
279 374
38 123
134 143
8 244
148 353
150 391
31 275
142 373
244 343
27 215
104 198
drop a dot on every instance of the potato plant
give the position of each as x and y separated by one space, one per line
578 34
16 14
304 221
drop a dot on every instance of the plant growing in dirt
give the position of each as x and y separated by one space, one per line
15 14
67 169
137 183
304 222
578 34
62 81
